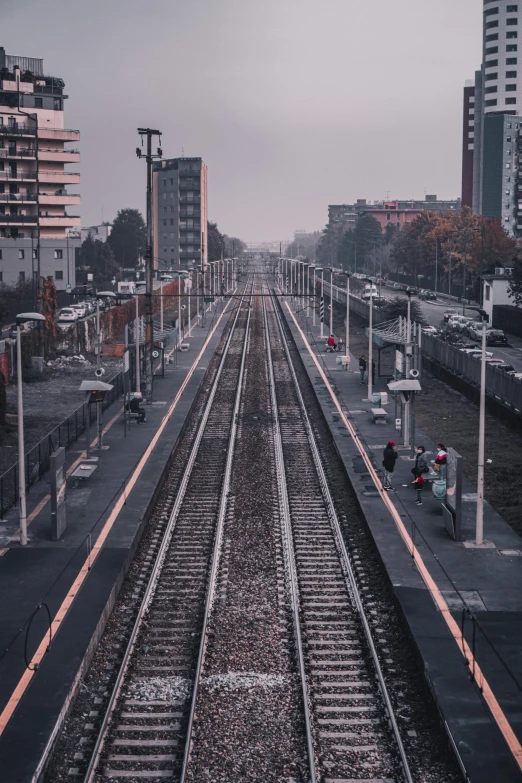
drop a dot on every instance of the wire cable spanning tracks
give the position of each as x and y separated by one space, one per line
146 729
350 724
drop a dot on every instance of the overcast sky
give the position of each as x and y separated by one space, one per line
293 104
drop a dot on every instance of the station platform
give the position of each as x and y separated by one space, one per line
74 581
462 606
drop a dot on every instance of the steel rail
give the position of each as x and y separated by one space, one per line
343 552
151 586
217 546
289 552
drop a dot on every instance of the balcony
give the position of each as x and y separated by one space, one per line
59 156
19 198
59 177
60 199
20 176
184 213
60 221
185 185
18 129
29 220
185 200
13 154
59 134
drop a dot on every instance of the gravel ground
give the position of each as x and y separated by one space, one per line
249 723
47 402
456 424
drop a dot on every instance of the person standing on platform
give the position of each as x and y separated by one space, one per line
419 486
362 367
388 463
421 463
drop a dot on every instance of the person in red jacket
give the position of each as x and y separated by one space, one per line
331 342
419 486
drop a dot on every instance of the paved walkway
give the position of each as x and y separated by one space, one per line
77 577
439 583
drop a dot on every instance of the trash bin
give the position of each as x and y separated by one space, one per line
376 397
338 359
439 490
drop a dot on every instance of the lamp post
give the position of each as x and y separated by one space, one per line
406 423
331 301
370 344
307 270
347 346
479 524
321 303
20 319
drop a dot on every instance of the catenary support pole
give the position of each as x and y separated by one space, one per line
331 301
321 304
479 523
21 447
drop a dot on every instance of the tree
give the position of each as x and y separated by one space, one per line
49 307
97 258
216 242
398 306
128 238
515 286
234 247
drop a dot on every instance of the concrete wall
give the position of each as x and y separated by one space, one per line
12 262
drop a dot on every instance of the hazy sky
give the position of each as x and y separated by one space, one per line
293 104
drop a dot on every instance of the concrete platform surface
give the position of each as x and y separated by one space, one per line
446 584
111 509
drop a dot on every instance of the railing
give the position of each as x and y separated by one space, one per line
20 129
48 90
18 197
20 175
18 219
37 459
58 176
17 153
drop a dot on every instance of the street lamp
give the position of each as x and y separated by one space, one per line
321 302
370 344
479 525
20 319
312 266
347 346
331 301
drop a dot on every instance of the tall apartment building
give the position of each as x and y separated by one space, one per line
468 144
34 225
497 117
179 213
397 213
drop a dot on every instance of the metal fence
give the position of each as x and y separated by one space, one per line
65 434
499 384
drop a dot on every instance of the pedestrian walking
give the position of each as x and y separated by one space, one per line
388 463
421 463
362 367
419 486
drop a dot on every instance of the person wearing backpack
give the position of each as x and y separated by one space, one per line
388 463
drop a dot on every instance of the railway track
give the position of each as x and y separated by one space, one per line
150 710
251 657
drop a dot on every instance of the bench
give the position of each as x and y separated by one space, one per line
379 414
83 472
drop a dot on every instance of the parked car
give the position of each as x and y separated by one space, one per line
430 330
506 367
380 281
494 361
458 322
167 278
496 337
474 330
411 289
476 353
80 309
449 312
397 286
427 296
67 315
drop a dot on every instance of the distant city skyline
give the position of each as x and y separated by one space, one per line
292 104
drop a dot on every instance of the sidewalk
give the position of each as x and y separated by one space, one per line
442 577
78 577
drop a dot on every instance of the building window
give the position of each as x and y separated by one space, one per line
165 250
511 60
21 276
512 21
165 222
491 63
171 181
511 87
508 138
21 254
1 277
172 221
511 74
488 292
491 12
490 25
58 275
491 50
493 37
35 254
38 103
58 253
512 34
512 48
512 9
490 76
491 89
511 101
164 183
58 104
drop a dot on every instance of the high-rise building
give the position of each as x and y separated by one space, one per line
468 144
34 225
179 213
497 113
